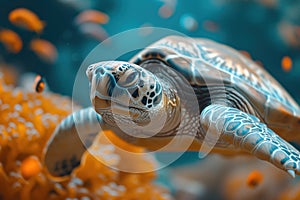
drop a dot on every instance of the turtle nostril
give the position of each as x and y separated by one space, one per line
89 71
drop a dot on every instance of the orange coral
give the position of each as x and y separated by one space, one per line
27 121
115 184
291 193
11 40
25 18
10 72
30 167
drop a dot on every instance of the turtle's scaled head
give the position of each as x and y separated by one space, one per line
124 89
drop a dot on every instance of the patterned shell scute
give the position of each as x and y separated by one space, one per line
214 56
182 48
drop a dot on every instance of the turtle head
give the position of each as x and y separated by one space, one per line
125 90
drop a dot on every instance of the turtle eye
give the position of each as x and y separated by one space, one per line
157 99
129 78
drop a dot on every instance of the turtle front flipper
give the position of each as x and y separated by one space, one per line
70 140
247 133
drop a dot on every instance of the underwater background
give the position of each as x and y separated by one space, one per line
267 30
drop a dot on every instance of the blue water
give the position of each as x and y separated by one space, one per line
244 25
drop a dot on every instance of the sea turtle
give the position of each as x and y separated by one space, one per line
239 103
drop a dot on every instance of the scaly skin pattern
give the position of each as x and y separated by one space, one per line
247 133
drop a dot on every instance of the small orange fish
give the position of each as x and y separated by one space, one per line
25 18
290 33
39 84
165 11
210 25
94 31
44 49
254 179
286 63
259 63
11 40
91 16
30 167
245 53
268 3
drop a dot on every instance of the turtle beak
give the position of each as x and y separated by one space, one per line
101 83
103 88
90 71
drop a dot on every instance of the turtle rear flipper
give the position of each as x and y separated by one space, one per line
247 133
70 140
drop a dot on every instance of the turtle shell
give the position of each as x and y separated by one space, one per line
207 63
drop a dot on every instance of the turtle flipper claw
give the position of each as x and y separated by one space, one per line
291 172
247 133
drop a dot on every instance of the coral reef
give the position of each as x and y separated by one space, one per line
233 178
27 120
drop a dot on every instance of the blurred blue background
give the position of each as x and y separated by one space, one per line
251 25
267 29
